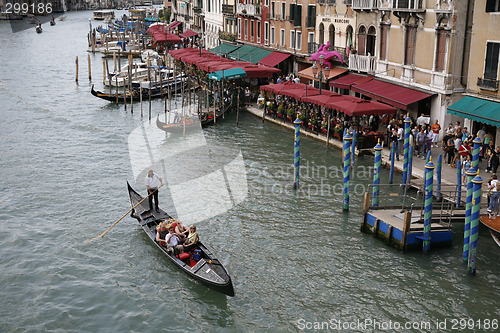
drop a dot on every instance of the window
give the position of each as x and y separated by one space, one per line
273 41
442 36
411 35
252 23
283 10
311 16
292 11
310 43
492 6
292 39
370 42
491 63
258 31
239 28
282 37
384 31
361 40
297 18
246 29
266 3
299 40
273 13
266 32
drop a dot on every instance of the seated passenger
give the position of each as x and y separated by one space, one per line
191 240
181 230
171 239
161 233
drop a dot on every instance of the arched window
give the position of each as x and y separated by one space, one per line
384 37
411 37
348 38
442 35
331 37
362 40
370 41
321 34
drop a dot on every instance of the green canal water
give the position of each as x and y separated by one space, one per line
297 260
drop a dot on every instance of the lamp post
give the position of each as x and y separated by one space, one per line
319 76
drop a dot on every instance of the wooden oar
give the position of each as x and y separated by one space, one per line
121 218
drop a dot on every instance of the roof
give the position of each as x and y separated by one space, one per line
360 107
477 109
392 94
158 33
334 72
224 49
228 74
274 58
345 82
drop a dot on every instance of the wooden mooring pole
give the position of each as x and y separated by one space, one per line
90 69
76 63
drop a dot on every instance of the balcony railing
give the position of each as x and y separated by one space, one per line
487 84
408 5
248 9
227 9
364 4
362 63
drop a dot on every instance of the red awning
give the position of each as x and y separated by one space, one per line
173 24
361 107
215 65
393 94
260 71
325 96
189 33
331 102
158 33
228 64
274 59
345 82
276 87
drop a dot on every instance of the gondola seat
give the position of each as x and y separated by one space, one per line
184 256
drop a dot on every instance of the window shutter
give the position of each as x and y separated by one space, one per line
292 11
383 42
490 6
298 16
491 63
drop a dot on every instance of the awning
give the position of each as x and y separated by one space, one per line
392 94
323 98
260 71
277 87
228 74
224 49
345 82
274 59
361 107
477 109
334 72
173 24
158 34
189 33
249 53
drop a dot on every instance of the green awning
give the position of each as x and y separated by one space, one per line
224 49
477 109
228 74
249 53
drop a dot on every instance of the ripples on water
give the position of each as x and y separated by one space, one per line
65 160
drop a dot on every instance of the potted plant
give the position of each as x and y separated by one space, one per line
337 131
290 113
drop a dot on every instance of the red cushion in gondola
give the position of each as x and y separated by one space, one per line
184 256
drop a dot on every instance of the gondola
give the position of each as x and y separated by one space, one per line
208 269
111 97
493 224
206 118
191 125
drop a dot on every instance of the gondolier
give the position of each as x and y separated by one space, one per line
153 182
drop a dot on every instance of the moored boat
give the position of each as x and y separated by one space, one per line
207 269
102 14
493 224
39 29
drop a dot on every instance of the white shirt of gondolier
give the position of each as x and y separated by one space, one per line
153 182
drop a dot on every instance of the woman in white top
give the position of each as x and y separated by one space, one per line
493 187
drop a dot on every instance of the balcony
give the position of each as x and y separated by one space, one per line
321 2
248 9
362 63
487 84
227 36
364 4
227 9
197 10
408 5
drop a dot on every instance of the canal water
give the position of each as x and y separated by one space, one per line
296 259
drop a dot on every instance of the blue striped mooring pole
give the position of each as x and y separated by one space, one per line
296 152
347 169
376 173
459 183
428 158
429 173
406 145
475 153
474 222
410 164
353 146
468 207
438 177
393 154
